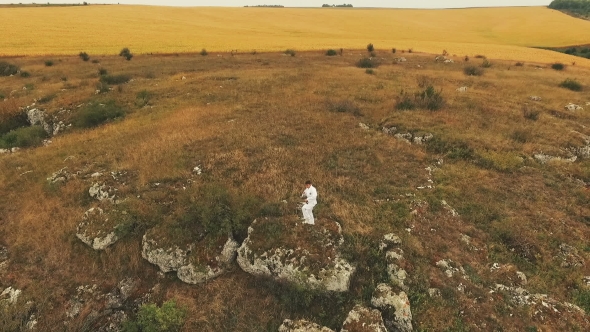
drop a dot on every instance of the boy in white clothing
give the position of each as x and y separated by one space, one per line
311 195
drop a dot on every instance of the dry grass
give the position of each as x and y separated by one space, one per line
147 29
259 124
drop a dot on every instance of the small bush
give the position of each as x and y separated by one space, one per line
451 149
486 64
571 50
582 299
102 87
25 74
46 99
343 106
370 48
370 71
571 84
519 64
290 52
479 56
9 122
126 53
428 98
143 98
150 318
393 50
585 50
331 52
204 52
367 63
23 137
84 56
521 136
7 69
49 63
472 71
102 72
530 114
95 61
115 79
558 66
411 50
97 113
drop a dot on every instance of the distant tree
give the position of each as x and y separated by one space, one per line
126 53
370 48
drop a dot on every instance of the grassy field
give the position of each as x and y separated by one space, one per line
500 33
262 124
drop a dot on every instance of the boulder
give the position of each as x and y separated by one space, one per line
101 192
395 308
98 229
363 319
302 325
308 255
190 261
573 107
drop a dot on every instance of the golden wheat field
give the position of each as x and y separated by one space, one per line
501 33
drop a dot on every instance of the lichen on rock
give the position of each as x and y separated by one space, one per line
395 308
308 255
302 325
98 229
363 319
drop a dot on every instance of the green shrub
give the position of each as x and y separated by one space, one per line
585 50
46 99
451 149
370 71
49 63
472 71
7 69
571 50
13 121
143 98
96 113
25 74
331 52
530 114
367 63
582 299
486 64
95 61
521 136
84 56
150 318
571 84
23 137
370 48
115 79
126 53
203 52
428 98
290 52
558 66
102 72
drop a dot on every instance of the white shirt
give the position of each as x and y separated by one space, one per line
311 194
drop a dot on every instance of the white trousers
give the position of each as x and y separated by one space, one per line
307 214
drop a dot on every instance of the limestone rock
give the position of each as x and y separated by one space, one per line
389 130
101 192
3 151
192 274
60 176
395 308
449 61
303 254
364 126
522 277
573 107
362 319
400 60
535 98
188 268
569 256
9 295
97 229
434 292
543 158
462 89
302 325
3 258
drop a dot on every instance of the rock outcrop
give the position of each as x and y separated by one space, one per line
302 325
308 255
184 259
98 229
38 117
395 308
573 107
363 319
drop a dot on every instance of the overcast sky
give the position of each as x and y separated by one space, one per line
315 3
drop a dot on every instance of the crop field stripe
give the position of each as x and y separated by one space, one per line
503 33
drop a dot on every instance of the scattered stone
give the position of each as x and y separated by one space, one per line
535 98
9 295
98 229
3 151
544 158
586 279
404 137
448 267
3 258
389 240
60 176
522 277
449 61
302 325
364 126
447 207
308 255
395 308
466 239
197 170
96 175
14 150
569 256
121 293
400 60
573 107
434 292
102 192
389 131
183 78
462 89
542 302
362 319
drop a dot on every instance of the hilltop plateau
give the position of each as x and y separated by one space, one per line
453 194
